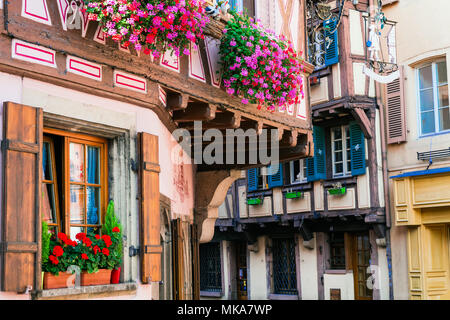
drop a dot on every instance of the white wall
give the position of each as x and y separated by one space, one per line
308 271
339 281
257 272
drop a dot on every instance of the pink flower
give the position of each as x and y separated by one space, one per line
244 101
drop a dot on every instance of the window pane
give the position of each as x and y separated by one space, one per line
442 72
76 156
337 133
427 119
443 96
93 165
93 205
338 156
338 168
338 145
49 204
426 78
46 162
444 119
295 171
77 213
426 100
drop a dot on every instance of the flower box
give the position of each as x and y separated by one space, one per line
102 276
56 282
254 201
294 195
337 191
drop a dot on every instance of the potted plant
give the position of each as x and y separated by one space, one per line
294 195
259 66
255 201
337 189
152 25
113 227
59 256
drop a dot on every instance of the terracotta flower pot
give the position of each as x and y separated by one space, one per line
103 276
115 276
56 282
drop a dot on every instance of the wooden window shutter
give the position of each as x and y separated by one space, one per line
21 218
151 248
195 262
331 49
276 180
357 149
178 259
396 110
252 179
316 166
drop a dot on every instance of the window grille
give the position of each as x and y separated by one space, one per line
284 267
210 267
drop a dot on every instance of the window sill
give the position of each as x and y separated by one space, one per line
211 294
87 292
430 135
348 180
273 296
337 271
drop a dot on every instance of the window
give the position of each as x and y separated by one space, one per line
264 178
341 150
247 6
298 171
337 251
433 98
74 166
50 203
284 267
210 267
323 48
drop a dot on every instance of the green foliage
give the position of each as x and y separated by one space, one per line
46 235
112 222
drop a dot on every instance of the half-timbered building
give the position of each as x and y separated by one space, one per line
317 228
86 121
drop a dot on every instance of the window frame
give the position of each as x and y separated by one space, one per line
345 148
209 291
303 172
436 107
332 244
292 241
87 140
54 182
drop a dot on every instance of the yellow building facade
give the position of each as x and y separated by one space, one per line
419 189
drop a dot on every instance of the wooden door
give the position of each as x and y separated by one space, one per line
241 270
178 260
361 263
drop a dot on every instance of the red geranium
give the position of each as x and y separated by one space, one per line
58 251
107 240
80 236
53 259
84 256
97 237
87 242
62 236
116 229
105 251
96 249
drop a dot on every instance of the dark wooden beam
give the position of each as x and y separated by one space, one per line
364 122
177 101
223 120
195 111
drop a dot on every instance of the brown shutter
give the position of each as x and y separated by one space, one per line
21 219
195 262
396 110
178 260
151 248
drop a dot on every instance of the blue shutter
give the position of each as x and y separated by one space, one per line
358 149
310 169
276 180
252 179
332 52
316 166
